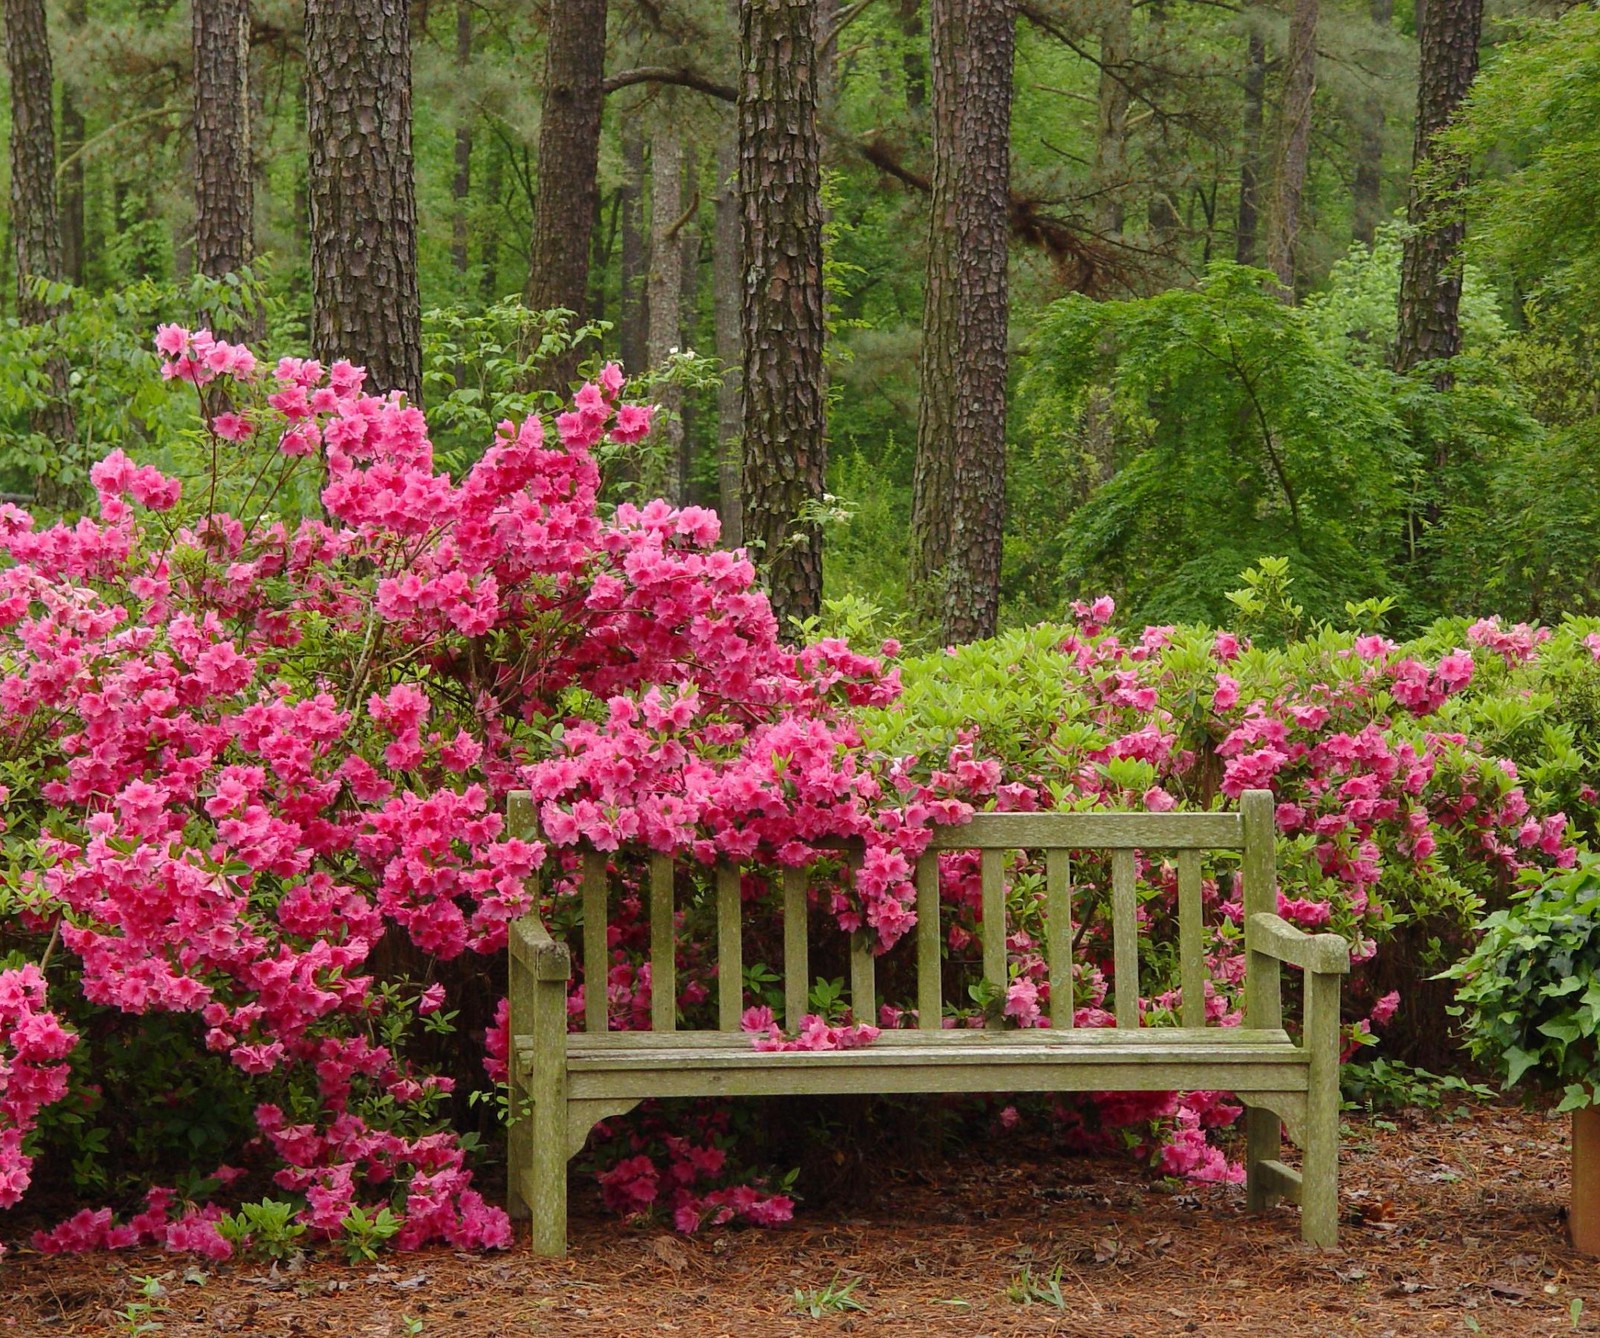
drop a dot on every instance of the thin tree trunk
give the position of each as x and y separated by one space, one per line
1294 140
635 263
688 306
659 475
569 152
914 65
725 313
364 299
1109 179
1367 201
958 490
1255 93
461 183
1430 274
35 229
493 192
785 451
73 132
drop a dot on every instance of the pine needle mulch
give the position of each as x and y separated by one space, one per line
1452 1227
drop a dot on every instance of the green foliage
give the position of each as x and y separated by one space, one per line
267 1229
1202 428
832 1299
1529 992
365 1232
1389 1084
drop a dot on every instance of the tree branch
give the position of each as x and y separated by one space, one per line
681 76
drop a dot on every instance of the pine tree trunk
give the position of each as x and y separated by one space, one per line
1430 277
224 187
1255 96
727 287
659 475
958 491
35 231
1367 195
780 177
461 183
1109 179
569 153
493 192
1294 142
635 258
73 132
364 300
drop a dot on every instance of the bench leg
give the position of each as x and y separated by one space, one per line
519 1151
1319 1189
1263 1132
546 1166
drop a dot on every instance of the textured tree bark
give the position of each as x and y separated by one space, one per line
659 476
1367 193
35 230
1430 275
73 132
364 300
725 302
461 183
569 153
1294 139
1109 178
1255 95
958 488
224 187
635 258
785 448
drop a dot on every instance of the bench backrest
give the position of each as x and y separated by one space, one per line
1189 836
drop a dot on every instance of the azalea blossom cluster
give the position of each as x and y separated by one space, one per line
33 1075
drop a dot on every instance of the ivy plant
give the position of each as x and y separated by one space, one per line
1529 993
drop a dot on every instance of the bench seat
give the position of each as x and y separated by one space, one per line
634 1065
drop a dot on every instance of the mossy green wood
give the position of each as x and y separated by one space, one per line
561 1084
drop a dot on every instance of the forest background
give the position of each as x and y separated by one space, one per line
1160 419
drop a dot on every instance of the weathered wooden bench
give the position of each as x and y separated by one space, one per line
562 1084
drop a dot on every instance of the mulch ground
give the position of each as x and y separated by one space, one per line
1452 1227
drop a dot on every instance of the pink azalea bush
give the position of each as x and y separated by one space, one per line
260 744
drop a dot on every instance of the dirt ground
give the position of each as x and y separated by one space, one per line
1451 1227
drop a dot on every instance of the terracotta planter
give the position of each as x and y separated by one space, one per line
1583 1216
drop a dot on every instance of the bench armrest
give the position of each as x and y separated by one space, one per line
531 945
1272 935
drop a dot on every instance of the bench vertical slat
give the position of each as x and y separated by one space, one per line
863 978
663 959
992 868
1058 934
930 992
1190 950
730 949
596 954
1125 937
796 966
